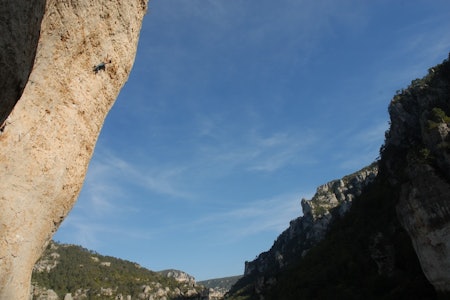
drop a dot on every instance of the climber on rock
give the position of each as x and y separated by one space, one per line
101 66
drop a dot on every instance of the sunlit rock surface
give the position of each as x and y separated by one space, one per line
49 137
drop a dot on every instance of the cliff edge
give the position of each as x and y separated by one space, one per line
416 156
330 203
79 57
393 241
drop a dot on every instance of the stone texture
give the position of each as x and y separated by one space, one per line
415 162
331 201
49 137
48 295
179 276
424 211
417 158
68 296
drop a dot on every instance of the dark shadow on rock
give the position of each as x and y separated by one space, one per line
20 24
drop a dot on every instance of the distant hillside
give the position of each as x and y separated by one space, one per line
179 276
221 285
84 274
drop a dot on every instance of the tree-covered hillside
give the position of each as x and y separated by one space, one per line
83 273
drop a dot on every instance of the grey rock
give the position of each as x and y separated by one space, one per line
417 159
331 200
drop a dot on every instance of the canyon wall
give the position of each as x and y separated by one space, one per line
330 202
390 237
48 139
417 159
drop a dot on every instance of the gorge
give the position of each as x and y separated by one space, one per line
382 232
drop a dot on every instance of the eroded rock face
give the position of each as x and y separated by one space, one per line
330 202
179 276
424 211
417 158
50 135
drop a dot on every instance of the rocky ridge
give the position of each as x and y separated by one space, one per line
218 287
179 276
416 156
330 202
393 241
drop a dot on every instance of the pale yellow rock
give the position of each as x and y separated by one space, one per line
50 135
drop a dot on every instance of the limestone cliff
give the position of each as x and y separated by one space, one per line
330 202
417 158
394 241
179 276
218 287
48 138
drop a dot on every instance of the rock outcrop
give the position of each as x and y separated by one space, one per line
394 240
48 138
330 202
218 287
417 159
179 276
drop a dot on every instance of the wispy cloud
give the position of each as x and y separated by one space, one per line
111 195
362 146
252 147
256 152
88 231
281 149
111 170
252 218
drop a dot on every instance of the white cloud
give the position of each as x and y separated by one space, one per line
282 149
110 172
252 218
253 147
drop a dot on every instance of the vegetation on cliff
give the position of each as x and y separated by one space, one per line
222 285
367 253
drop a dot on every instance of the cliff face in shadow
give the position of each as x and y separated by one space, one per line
48 138
20 23
330 202
417 160
393 243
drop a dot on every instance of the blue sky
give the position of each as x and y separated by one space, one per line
235 111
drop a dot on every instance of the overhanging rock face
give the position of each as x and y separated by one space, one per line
48 139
